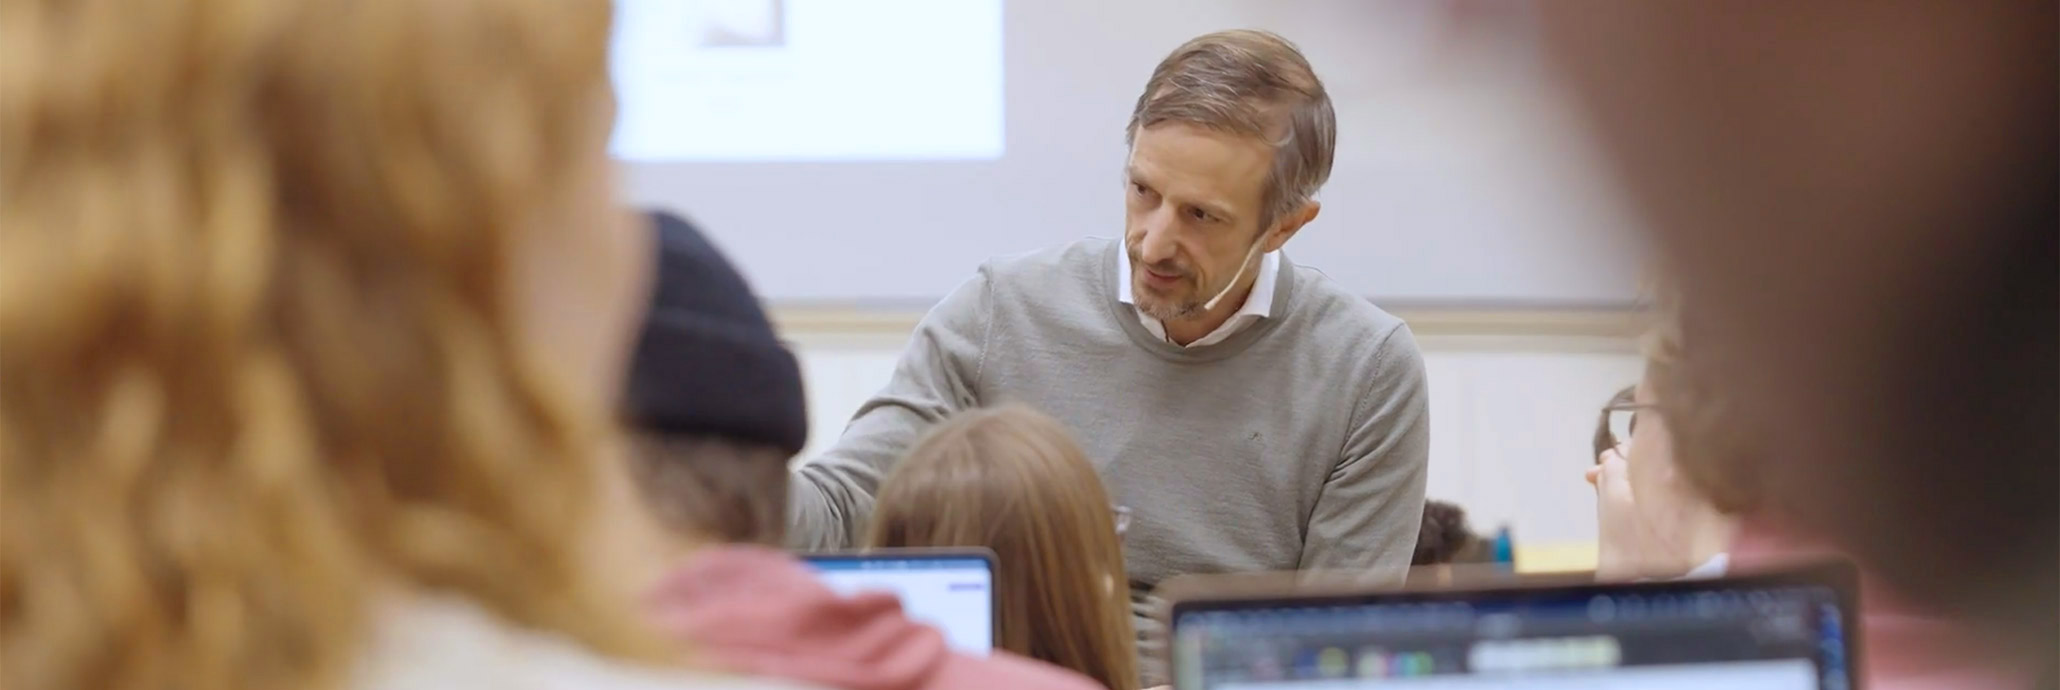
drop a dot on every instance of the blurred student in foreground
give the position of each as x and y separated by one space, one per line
1011 479
1859 198
310 318
718 409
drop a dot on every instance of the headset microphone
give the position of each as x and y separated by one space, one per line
1254 251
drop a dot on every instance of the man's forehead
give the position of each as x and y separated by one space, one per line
1188 160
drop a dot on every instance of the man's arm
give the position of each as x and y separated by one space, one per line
1367 518
831 495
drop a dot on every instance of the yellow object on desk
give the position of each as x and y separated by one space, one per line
1556 557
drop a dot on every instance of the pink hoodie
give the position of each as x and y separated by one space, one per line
759 611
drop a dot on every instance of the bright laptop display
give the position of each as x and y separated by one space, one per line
1786 631
951 590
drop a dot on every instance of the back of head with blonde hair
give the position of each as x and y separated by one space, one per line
259 329
1011 479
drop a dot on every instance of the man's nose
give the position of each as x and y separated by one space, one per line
1158 244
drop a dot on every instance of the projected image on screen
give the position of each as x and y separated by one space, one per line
796 80
740 22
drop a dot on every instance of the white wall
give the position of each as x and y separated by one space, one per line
1514 398
1460 176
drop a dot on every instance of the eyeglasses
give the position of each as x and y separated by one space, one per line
1618 421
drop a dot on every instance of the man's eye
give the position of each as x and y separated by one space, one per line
1139 189
1200 215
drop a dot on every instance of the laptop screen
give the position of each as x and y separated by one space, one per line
951 592
1772 634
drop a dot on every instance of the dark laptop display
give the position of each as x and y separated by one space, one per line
1792 630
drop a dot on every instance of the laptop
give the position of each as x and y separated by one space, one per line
949 589
1792 629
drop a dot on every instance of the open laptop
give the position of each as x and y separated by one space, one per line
949 589
1787 630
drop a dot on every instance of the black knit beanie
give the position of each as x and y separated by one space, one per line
708 361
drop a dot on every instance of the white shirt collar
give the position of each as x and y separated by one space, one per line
1713 568
1258 305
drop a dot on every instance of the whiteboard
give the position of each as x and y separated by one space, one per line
1461 177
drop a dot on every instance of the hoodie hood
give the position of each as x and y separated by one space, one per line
761 611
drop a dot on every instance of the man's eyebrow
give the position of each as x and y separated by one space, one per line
1215 208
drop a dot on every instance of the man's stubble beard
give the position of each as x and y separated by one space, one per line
1165 310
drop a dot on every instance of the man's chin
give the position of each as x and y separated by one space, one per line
1165 312
1156 303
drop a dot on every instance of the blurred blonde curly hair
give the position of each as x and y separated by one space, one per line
260 353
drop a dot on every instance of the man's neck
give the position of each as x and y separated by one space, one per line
1185 331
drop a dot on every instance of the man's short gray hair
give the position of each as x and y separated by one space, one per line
1252 83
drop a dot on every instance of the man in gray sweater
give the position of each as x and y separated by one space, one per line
1252 413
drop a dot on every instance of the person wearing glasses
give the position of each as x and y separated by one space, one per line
1653 519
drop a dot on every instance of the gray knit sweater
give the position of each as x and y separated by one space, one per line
1298 443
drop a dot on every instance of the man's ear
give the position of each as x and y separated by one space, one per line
1291 224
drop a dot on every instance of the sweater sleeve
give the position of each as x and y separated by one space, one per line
1372 504
831 495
